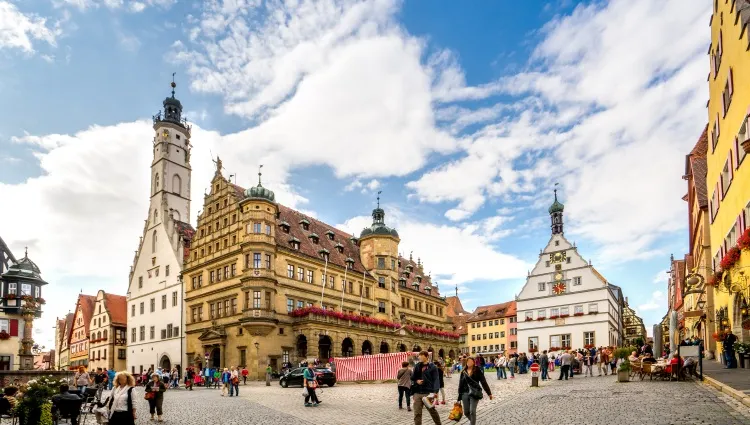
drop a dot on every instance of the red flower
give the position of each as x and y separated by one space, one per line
565 315
731 257
744 241
4 335
554 316
715 279
11 296
578 314
533 350
588 346
540 318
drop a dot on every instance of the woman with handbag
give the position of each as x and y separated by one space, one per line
121 406
310 383
470 387
82 380
155 396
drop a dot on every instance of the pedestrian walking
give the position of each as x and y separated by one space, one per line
234 383
512 366
404 385
217 378
544 365
111 379
425 383
564 365
100 381
121 406
588 362
441 375
82 380
500 364
154 393
603 361
189 378
244 375
470 387
226 376
311 384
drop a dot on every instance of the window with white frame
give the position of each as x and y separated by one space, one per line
541 314
290 271
529 315
726 176
564 311
554 312
542 286
578 309
577 280
25 289
12 288
5 325
565 339
533 343
37 292
554 341
593 308
588 338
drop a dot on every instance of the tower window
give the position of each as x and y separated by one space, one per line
177 136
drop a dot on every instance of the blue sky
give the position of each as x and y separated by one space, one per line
463 114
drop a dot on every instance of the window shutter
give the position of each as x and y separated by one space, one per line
13 327
738 226
730 165
731 83
723 105
736 149
717 126
721 187
713 65
743 222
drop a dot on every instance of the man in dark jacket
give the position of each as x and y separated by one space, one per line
425 382
544 365
66 405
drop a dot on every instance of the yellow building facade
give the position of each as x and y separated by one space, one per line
488 330
108 332
728 174
79 334
266 284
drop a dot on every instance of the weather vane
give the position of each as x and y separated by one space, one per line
260 168
379 192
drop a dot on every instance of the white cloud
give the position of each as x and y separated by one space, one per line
132 6
662 277
657 302
607 130
476 260
19 30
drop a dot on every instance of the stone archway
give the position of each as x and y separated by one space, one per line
325 348
384 348
416 348
165 364
366 348
301 346
215 358
347 347
452 354
402 348
441 353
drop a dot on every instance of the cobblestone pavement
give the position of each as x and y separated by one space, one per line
597 400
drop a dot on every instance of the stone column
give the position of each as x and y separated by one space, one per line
26 357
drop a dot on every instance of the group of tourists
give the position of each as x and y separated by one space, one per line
227 379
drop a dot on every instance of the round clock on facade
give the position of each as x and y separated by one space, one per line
559 288
558 276
558 257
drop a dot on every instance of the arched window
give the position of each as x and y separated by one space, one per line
156 214
105 334
153 242
176 215
156 182
177 184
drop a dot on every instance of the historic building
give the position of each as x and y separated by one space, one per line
511 327
458 316
635 331
108 332
565 302
20 303
698 300
728 175
488 330
155 308
79 333
63 331
267 284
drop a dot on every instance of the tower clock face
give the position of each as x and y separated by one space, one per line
558 276
557 257
559 288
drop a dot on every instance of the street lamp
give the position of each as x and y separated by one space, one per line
701 304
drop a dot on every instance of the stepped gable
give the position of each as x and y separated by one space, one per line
311 249
117 306
87 302
416 270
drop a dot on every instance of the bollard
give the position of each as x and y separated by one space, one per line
534 379
268 379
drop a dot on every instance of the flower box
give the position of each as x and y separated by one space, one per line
593 312
4 336
529 319
533 350
554 317
578 314
554 349
588 346
564 315
10 296
540 318
730 258
744 241
566 348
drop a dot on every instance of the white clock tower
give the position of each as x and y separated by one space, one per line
155 294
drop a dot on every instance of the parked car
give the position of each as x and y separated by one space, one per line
294 377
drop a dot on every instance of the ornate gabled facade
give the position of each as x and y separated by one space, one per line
267 284
79 333
108 332
62 341
566 302
155 327
634 329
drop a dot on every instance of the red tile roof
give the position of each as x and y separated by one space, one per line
69 325
511 309
416 270
86 303
454 307
493 311
186 231
350 249
117 306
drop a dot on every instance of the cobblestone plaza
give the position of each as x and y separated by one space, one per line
592 401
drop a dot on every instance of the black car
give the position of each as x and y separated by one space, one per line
294 377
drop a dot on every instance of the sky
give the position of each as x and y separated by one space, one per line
464 114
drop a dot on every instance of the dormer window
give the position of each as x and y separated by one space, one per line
427 290
419 278
409 268
294 242
305 224
406 273
284 226
339 247
324 254
330 234
349 262
354 240
314 238
402 281
415 284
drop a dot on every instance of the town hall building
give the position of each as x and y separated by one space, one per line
155 315
566 303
